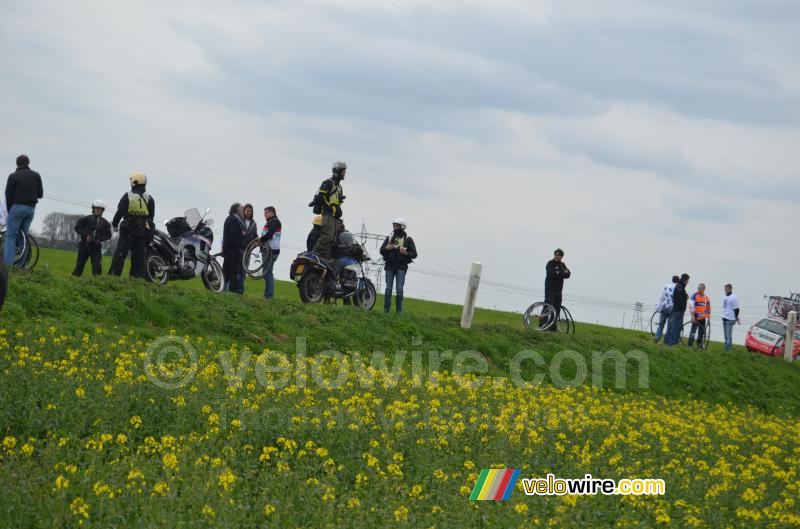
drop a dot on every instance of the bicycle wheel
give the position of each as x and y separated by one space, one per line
22 247
33 253
256 259
686 328
565 322
654 320
539 317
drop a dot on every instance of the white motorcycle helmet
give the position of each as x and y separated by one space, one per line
98 204
401 221
138 179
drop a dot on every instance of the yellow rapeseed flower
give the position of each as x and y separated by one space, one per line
170 461
79 507
160 488
226 479
401 513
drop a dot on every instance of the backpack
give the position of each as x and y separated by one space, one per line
178 226
316 203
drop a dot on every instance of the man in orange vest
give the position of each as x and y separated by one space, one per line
701 315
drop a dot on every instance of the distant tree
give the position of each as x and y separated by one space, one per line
58 230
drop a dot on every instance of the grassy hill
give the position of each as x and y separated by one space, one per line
89 438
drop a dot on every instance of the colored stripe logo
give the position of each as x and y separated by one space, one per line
495 484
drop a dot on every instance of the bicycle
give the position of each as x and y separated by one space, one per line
541 316
779 307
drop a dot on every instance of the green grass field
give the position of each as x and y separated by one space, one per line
259 437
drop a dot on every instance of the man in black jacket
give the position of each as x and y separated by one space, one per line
136 210
679 301
94 230
328 202
233 235
557 272
398 250
271 235
23 191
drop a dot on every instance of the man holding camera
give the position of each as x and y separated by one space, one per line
398 250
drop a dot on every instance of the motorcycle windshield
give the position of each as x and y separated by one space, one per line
192 217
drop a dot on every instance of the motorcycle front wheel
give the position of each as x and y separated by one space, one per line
212 277
366 297
155 268
311 287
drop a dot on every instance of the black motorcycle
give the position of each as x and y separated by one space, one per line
184 252
342 277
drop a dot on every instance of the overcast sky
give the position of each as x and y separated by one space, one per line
644 138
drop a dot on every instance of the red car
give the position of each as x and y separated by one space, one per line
768 337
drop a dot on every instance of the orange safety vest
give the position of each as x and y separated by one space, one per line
702 306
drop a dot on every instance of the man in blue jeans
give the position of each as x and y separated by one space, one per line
730 315
398 250
271 235
664 307
680 300
23 191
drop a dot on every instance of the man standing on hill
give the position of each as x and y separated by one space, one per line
398 250
93 230
730 315
233 236
328 202
557 272
136 210
679 301
701 315
664 307
23 191
271 235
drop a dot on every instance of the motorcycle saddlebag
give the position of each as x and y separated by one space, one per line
178 226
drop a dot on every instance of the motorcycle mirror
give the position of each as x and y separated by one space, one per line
208 210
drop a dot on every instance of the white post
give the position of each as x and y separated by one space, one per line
472 294
789 344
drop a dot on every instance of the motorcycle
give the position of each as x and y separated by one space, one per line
343 277
184 252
